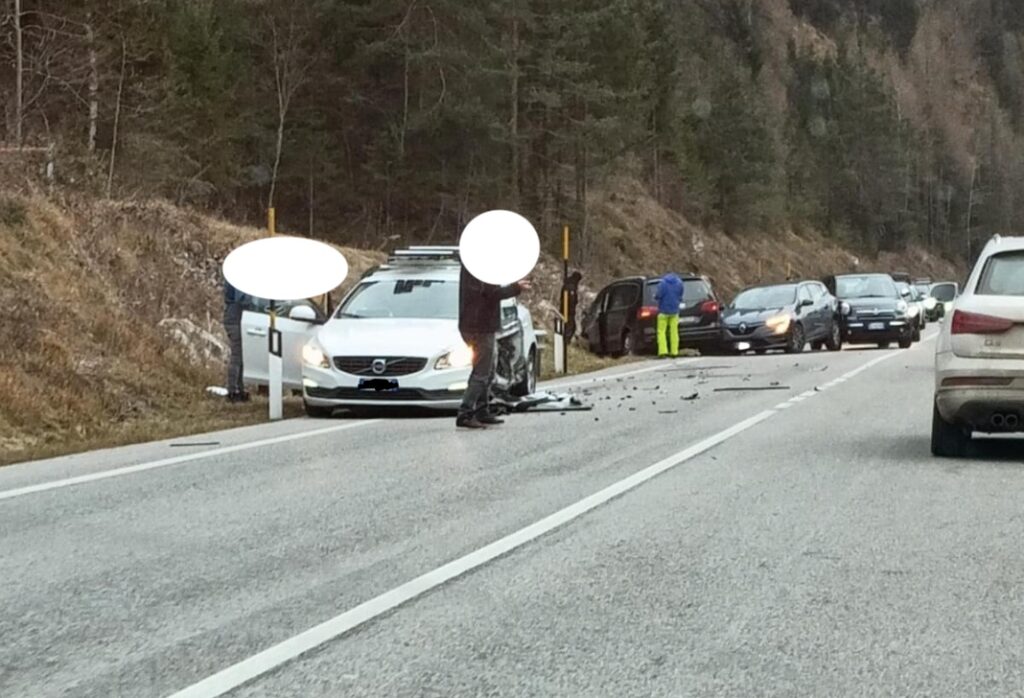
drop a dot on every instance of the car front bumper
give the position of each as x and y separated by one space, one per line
870 331
975 405
760 338
428 388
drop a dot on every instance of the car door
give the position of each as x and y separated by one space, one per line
808 314
592 322
825 307
621 301
294 335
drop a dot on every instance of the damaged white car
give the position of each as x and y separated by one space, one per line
394 341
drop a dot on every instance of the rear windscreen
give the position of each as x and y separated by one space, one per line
1003 275
693 291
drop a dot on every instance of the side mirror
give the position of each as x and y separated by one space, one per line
905 292
303 313
806 303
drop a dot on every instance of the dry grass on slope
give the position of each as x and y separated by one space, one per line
111 326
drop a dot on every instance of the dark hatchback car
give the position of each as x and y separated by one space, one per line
623 317
873 310
784 316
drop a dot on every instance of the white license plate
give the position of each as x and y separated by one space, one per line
689 320
876 326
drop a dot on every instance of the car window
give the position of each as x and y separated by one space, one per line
694 290
282 308
622 296
817 291
765 297
424 299
509 312
1003 275
849 287
805 294
944 293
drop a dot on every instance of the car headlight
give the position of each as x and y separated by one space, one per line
901 308
779 324
456 357
913 311
845 308
313 355
930 303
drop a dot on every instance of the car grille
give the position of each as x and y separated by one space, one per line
874 314
744 329
393 366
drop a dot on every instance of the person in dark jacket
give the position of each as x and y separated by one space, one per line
669 297
234 305
572 286
479 321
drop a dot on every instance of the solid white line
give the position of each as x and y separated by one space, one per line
177 460
259 664
584 380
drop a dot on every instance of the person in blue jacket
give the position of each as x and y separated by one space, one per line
669 297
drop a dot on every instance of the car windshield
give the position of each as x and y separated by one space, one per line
1003 275
425 299
765 297
849 287
944 292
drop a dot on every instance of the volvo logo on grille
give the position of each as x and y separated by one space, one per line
379 366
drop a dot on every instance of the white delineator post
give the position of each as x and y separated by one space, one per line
559 347
275 369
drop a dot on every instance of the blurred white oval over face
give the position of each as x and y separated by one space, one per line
499 247
285 268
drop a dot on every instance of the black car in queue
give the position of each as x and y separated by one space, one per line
872 310
783 316
623 319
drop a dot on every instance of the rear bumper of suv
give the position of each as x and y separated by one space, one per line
689 337
975 406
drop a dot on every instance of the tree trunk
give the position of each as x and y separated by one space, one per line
277 155
311 197
94 84
19 92
514 119
117 119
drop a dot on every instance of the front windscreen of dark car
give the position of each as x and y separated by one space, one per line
421 299
944 293
868 286
765 298
1003 275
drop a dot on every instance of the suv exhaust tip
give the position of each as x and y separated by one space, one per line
1012 421
998 420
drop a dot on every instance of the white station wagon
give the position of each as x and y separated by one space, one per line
979 361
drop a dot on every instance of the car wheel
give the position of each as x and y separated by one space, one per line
317 412
835 338
797 340
906 343
528 386
916 337
948 440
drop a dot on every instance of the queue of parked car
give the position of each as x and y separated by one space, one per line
856 308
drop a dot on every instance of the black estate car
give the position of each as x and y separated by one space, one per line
623 317
784 316
873 310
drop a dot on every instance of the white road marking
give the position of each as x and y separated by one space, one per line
177 460
555 384
269 659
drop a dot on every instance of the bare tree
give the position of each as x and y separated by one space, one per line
117 118
94 83
291 68
19 89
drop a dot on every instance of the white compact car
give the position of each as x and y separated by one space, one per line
979 361
394 341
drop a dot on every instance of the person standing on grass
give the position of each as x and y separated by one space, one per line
234 305
479 321
669 297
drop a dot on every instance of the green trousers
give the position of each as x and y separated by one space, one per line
668 335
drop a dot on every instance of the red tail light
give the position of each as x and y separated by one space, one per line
709 307
976 323
646 312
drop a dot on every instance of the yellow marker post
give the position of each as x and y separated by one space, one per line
565 297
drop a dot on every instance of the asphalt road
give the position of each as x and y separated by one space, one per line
794 540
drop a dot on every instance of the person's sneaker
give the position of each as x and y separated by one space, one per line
491 420
469 423
244 397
